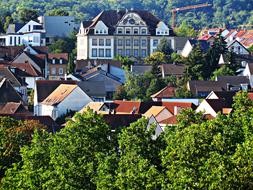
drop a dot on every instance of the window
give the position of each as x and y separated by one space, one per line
94 42
136 52
53 60
53 71
101 42
108 52
10 40
96 31
101 53
29 28
60 71
128 31
143 31
15 40
155 43
128 42
120 42
144 42
143 53
120 31
120 52
128 52
61 61
19 41
108 42
136 42
136 31
94 52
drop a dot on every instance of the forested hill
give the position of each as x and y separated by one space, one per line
231 13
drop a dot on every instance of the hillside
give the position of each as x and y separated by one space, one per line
231 13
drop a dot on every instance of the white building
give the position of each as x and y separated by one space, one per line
65 97
31 33
132 33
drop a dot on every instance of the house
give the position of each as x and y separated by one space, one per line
57 65
222 83
176 70
8 93
31 33
236 47
43 88
176 107
132 33
191 43
171 121
167 92
248 72
64 98
159 112
98 75
158 129
17 82
26 72
112 67
38 61
57 27
94 89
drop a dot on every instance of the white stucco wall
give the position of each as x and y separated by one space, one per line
206 109
187 49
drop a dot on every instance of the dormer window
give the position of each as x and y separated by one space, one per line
136 31
53 61
120 31
61 61
128 31
143 31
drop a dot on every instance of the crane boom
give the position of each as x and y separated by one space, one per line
175 10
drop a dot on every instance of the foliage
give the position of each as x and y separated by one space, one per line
125 61
71 64
57 12
24 15
195 64
156 59
224 70
13 135
66 160
195 154
250 48
185 30
165 47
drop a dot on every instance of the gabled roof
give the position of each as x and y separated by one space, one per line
13 108
227 96
173 69
5 72
14 28
45 87
229 44
172 105
59 94
8 93
218 104
233 80
155 111
111 17
25 70
95 106
169 121
167 92
93 88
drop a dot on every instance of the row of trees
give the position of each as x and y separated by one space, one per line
223 12
195 154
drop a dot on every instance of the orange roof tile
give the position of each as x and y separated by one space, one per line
127 106
170 121
171 105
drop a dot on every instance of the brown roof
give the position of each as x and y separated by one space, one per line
167 92
170 121
250 94
127 106
58 56
173 69
8 93
112 17
10 52
13 108
46 87
120 120
25 69
250 68
59 94
218 104
5 72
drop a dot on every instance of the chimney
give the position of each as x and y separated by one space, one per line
228 87
65 76
175 110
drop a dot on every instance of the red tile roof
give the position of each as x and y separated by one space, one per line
127 106
170 121
167 92
250 94
171 105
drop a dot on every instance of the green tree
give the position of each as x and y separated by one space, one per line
156 59
125 61
195 64
25 15
57 12
165 47
71 64
224 70
185 30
